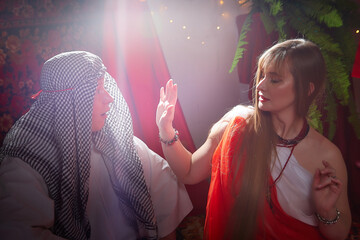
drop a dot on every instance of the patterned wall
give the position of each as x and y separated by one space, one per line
30 33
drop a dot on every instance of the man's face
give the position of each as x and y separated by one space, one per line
102 99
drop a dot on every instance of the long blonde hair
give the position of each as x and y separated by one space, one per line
306 64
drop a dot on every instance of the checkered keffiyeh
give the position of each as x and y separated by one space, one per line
55 136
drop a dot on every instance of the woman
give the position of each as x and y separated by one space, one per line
272 175
72 169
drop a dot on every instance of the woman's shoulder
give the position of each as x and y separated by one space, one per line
316 148
237 114
323 147
239 111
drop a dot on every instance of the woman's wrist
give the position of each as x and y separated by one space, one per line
170 139
166 132
329 218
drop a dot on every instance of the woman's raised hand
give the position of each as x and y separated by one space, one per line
326 189
166 110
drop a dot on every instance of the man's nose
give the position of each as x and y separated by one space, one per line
108 98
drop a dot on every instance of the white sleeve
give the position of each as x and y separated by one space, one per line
169 196
26 211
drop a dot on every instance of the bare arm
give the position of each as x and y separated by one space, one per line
192 168
330 193
189 168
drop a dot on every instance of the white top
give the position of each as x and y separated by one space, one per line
26 211
294 187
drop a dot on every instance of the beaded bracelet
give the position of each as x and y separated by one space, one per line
325 221
170 142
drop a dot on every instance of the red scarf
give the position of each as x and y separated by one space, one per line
276 224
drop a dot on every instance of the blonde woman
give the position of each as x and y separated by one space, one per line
272 175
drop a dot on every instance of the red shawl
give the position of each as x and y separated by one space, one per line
276 224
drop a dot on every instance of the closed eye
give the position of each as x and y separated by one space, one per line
275 80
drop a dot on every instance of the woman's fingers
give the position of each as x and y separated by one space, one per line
326 163
169 86
173 98
323 181
162 94
336 182
166 108
171 111
171 92
328 170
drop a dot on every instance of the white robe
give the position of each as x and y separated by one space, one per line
27 212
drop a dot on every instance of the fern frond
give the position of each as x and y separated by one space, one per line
331 19
322 12
315 118
240 49
276 6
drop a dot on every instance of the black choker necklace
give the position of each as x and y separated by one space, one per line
289 143
292 142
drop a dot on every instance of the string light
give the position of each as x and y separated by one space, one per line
224 15
357 31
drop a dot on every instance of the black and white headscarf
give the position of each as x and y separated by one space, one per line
55 136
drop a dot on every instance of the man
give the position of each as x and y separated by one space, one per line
72 169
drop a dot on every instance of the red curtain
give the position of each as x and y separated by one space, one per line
133 56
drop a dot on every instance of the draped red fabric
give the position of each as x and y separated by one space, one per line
273 224
133 56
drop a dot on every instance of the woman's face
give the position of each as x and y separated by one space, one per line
276 89
102 99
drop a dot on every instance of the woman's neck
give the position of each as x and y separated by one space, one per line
287 127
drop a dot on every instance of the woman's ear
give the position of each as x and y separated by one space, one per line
311 88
